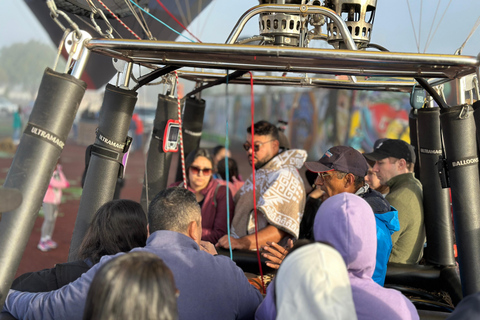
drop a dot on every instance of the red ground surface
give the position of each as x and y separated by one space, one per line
73 164
73 157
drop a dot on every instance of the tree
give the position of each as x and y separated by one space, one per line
23 64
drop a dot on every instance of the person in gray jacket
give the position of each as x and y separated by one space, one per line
211 286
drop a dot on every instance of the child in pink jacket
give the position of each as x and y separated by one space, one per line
52 199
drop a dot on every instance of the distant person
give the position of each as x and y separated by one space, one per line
218 153
17 126
312 283
211 286
211 195
284 144
117 226
394 163
235 181
136 285
53 197
137 133
280 192
346 221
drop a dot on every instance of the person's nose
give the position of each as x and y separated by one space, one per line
375 167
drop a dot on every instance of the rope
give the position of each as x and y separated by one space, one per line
438 25
252 112
182 156
477 23
431 26
227 172
176 20
413 26
420 26
135 14
166 25
180 10
118 19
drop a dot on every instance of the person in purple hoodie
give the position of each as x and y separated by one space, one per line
346 221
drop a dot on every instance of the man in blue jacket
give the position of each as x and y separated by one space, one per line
343 169
211 287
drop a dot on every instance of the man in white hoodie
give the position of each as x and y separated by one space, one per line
279 192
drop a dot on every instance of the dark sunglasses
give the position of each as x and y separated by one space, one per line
256 146
195 170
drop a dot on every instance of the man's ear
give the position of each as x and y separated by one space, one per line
402 164
193 231
350 179
276 144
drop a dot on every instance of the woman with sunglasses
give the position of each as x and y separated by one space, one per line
210 194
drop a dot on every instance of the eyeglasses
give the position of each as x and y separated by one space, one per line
196 170
324 175
256 146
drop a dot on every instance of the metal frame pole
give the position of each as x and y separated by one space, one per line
47 130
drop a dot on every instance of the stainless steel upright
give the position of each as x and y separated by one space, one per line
42 143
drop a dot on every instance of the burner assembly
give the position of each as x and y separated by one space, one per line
299 26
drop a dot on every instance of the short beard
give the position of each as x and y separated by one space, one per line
259 164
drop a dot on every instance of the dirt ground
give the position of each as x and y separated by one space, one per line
73 164
72 160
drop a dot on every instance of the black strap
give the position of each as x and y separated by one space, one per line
45 135
109 155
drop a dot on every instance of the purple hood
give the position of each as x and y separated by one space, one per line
347 222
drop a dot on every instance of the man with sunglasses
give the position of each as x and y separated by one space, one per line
279 192
343 169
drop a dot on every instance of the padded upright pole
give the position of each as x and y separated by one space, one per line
413 125
158 161
462 161
192 126
37 154
436 200
105 161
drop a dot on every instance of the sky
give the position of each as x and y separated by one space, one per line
450 21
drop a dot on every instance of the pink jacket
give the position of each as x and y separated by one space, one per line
232 186
57 183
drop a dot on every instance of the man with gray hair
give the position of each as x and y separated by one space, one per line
211 287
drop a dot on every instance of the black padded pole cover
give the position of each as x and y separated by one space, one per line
476 115
192 127
158 161
413 124
101 178
462 161
436 200
40 147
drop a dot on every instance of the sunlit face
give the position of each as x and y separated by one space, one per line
386 169
372 179
267 149
330 183
200 179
